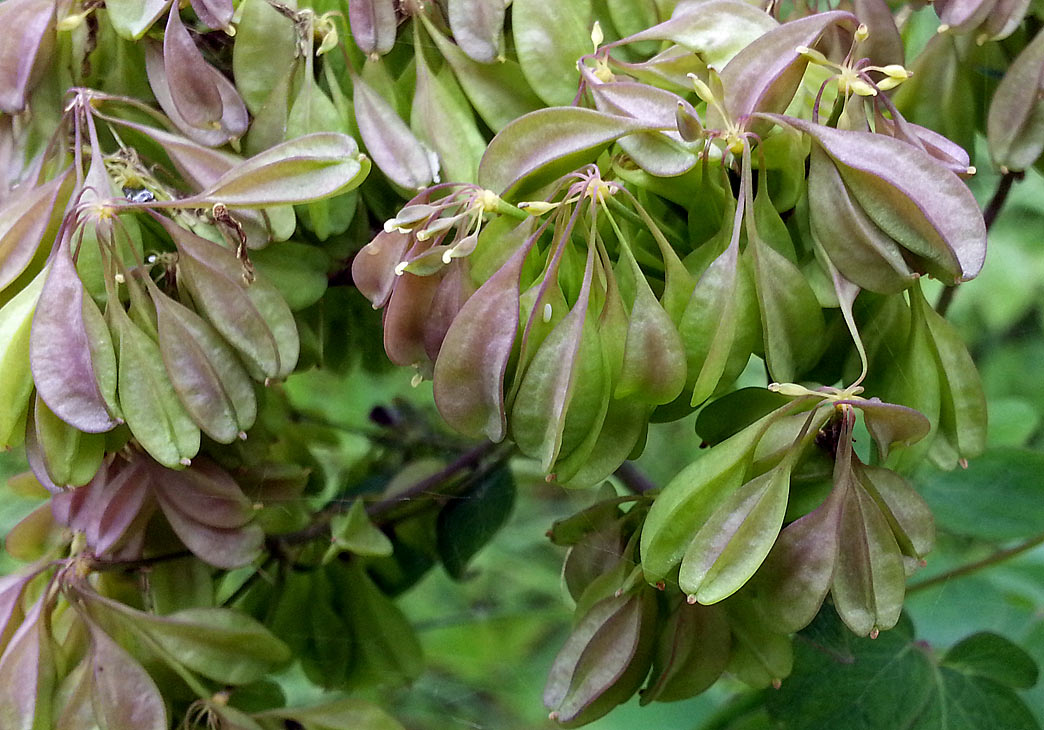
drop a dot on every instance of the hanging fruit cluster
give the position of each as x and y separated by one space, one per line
613 211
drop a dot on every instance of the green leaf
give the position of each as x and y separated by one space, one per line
466 524
889 682
353 531
998 497
992 656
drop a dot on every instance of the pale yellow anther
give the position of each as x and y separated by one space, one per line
702 90
895 71
598 189
537 207
416 380
862 33
860 87
72 22
943 28
400 268
812 55
597 36
547 312
971 170
792 389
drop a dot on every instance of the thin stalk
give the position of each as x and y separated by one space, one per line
992 559
989 215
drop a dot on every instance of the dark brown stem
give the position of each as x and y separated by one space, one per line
989 215
633 478
993 559
100 565
320 524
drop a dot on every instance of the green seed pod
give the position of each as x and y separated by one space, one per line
605 660
692 651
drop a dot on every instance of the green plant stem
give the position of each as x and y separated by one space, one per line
992 559
989 215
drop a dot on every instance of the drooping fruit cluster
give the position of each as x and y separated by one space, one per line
614 212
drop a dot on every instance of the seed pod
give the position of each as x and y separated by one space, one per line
443 119
733 542
199 100
791 318
149 402
28 673
263 54
16 381
1015 125
469 373
253 316
795 578
690 498
540 408
71 457
478 27
709 324
394 148
67 352
216 14
27 219
26 55
910 196
208 378
962 16
373 24
869 579
906 511
616 636
761 655
692 651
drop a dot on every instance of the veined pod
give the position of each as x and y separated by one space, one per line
72 358
691 497
71 457
734 541
1015 124
24 56
692 652
150 404
16 380
616 636
373 24
208 378
252 315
